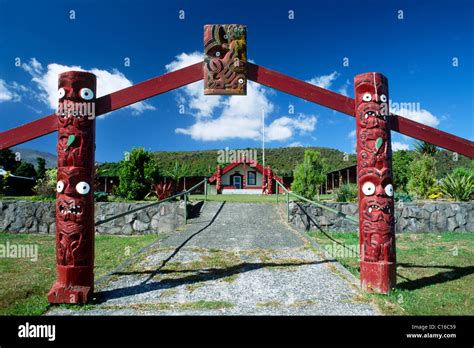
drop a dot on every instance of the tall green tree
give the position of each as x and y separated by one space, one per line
41 167
422 175
25 169
8 160
309 175
137 174
401 161
178 171
424 148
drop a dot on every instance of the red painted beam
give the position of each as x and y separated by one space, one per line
28 131
107 103
345 105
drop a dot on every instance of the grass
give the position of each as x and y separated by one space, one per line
24 284
434 273
247 198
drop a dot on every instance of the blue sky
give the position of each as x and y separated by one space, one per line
416 54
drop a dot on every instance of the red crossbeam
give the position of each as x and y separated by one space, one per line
264 76
107 103
345 105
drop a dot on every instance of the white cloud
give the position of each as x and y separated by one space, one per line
324 81
352 134
233 117
107 82
396 146
422 116
195 100
295 144
284 127
10 92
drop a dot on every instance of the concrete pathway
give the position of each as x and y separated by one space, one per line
234 259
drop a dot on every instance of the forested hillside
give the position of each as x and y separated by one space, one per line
283 160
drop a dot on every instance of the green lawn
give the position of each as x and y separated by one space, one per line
247 198
435 273
24 284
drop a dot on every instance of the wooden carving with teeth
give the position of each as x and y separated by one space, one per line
376 205
75 196
225 59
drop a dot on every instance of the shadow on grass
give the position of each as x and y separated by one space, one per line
454 273
201 275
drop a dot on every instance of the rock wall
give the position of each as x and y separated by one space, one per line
40 217
409 217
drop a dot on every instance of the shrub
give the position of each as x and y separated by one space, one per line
422 175
309 175
458 187
163 190
347 193
100 196
137 173
46 186
402 197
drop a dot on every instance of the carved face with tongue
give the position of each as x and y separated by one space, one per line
73 194
372 101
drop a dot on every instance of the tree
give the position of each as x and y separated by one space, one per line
424 148
401 161
177 172
137 174
422 175
309 175
25 169
8 160
46 186
41 167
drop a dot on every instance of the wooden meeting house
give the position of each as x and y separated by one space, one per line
244 176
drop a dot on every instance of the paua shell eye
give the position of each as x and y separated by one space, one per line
367 97
389 190
83 188
61 93
383 98
368 188
59 186
86 94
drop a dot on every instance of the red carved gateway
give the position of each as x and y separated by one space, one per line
376 208
225 71
74 198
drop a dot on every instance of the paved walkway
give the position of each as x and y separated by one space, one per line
235 258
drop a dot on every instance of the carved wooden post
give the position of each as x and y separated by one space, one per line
75 196
270 180
376 208
218 179
225 59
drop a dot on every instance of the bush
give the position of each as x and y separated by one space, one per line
347 193
402 197
458 187
46 187
422 175
100 196
309 175
137 174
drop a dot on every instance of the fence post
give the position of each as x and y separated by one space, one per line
185 208
287 207
205 190
374 169
277 189
75 189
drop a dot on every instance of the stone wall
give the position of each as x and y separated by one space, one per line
409 217
40 217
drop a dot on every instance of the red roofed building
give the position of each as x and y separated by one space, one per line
245 176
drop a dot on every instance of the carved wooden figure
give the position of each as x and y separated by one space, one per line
376 205
225 59
75 196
